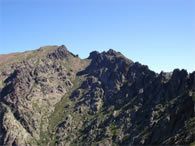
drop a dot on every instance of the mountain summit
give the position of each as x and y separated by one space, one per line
52 97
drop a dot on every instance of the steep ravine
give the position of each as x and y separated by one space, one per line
52 97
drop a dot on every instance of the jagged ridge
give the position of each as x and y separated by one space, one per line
52 97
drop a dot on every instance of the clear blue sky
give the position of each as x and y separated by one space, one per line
159 33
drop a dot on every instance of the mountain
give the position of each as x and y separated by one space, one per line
52 97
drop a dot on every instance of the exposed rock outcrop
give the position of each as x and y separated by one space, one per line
52 97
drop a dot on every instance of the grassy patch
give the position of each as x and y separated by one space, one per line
129 103
58 116
192 144
144 132
172 101
36 106
2 84
193 96
102 141
44 136
114 129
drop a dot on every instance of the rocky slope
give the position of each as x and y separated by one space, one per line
52 97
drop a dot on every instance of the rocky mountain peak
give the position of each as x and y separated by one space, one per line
94 55
109 53
60 53
52 97
112 52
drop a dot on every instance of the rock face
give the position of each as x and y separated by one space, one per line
52 97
